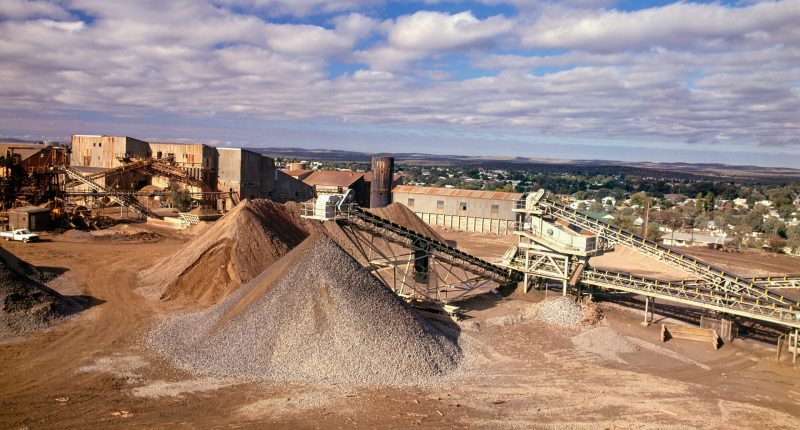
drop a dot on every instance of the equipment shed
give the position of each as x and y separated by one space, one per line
33 218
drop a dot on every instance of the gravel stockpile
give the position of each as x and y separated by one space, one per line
314 316
227 254
399 213
561 311
605 342
27 305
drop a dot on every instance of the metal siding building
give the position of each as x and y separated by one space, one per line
33 218
254 176
105 151
466 210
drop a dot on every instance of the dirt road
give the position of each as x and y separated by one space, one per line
92 371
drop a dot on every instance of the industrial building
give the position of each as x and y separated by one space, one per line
338 182
238 172
252 175
32 218
466 210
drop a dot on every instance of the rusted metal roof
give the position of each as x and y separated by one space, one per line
455 192
332 178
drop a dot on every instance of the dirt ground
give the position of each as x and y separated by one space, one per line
93 372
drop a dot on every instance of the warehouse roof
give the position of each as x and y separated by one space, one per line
455 192
332 178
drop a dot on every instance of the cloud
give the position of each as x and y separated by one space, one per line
675 25
303 7
423 34
26 9
701 74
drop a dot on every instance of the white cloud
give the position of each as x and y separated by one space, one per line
423 34
675 25
25 9
669 77
436 31
304 7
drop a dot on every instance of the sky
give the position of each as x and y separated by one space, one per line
657 81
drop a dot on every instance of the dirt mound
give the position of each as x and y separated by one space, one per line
27 305
399 213
229 253
315 316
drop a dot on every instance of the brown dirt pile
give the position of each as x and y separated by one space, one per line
229 253
399 213
27 305
314 316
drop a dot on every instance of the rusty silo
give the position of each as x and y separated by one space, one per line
380 193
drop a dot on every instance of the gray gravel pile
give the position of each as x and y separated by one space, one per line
314 316
561 311
605 342
25 304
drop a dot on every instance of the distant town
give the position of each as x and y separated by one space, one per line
721 213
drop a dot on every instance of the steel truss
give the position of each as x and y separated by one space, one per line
725 282
122 199
408 261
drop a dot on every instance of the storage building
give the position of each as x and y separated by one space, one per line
466 210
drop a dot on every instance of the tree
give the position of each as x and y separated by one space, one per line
776 243
181 199
774 227
793 237
596 206
708 202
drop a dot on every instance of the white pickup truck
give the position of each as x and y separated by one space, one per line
20 234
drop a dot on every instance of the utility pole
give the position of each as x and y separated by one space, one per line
646 216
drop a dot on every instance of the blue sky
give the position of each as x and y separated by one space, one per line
576 79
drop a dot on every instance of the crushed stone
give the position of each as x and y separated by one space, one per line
315 316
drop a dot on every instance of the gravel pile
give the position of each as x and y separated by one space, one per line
605 342
561 311
399 213
26 305
227 254
314 316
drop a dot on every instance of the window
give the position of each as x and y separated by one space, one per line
411 203
439 204
158 155
463 206
495 209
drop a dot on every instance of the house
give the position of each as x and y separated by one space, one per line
740 203
638 222
609 201
694 239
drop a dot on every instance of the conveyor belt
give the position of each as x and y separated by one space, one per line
726 282
360 218
122 199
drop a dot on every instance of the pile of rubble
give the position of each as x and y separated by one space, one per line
314 316
227 254
561 311
25 304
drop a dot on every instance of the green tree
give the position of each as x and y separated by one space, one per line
708 202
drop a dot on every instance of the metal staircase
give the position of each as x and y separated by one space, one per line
120 198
